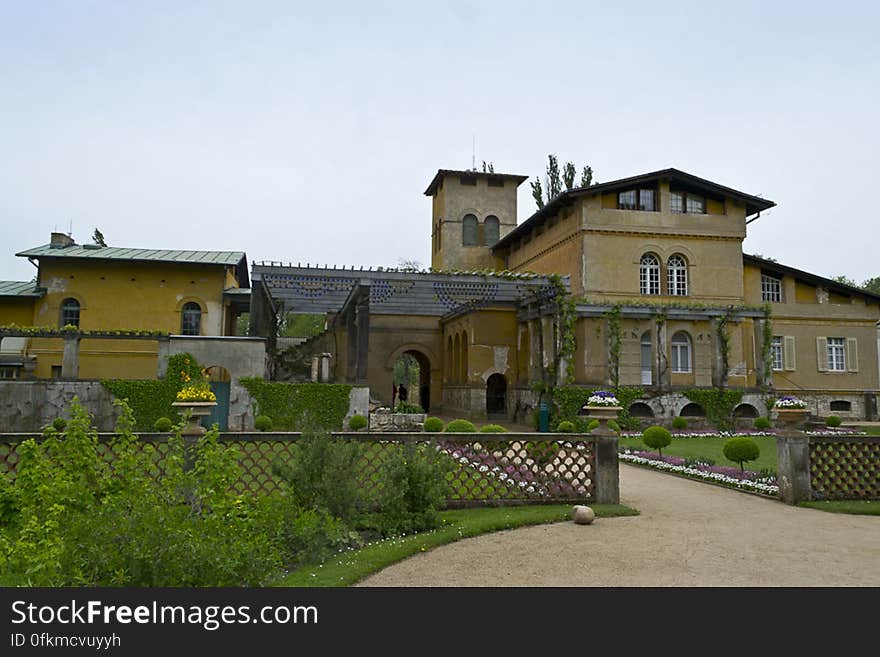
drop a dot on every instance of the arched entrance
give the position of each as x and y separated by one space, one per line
496 395
413 369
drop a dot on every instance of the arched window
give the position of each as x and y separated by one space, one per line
450 371
70 312
464 357
491 230
681 352
456 359
677 276
649 274
191 319
469 231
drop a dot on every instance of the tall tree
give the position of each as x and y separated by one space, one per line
554 182
846 281
872 285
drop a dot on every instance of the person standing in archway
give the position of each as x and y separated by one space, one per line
403 393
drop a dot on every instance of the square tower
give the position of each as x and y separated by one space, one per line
471 211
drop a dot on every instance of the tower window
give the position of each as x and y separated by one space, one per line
687 202
491 230
496 182
469 231
70 312
468 180
771 288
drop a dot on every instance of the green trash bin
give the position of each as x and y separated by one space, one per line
543 417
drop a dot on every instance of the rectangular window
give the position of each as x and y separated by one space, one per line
496 182
56 371
676 201
836 354
696 204
771 288
687 202
626 200
468 180
777 354
636 199
681 358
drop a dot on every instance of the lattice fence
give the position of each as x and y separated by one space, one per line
845 470
484 472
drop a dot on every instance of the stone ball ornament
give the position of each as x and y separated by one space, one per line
582 515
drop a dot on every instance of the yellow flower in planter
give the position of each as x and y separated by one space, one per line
196 393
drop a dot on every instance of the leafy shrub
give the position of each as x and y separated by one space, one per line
357 422
406 407
614 426
263 423
59 424
300 406
657 437
433 424
413 488
679 423
762 423
741 450
492 428
565 427
321 475
592 424
75 519
832 421
163 425
460 426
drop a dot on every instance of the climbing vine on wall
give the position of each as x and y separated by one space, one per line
612 318
299 406
767 347
718 404
724 344
150 400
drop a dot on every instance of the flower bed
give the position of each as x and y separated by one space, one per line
744 480
753 432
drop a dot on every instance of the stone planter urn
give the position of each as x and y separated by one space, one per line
193 412
603 414
792 418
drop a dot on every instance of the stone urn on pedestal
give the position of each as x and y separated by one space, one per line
791 412
602 406
193 412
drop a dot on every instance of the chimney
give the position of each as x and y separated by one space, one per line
61 241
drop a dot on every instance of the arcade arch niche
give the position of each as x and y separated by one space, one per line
412 368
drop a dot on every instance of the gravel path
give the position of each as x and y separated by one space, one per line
688 534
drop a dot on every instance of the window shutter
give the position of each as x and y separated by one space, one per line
788 353
822 354
852 355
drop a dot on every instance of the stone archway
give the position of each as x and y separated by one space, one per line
418 384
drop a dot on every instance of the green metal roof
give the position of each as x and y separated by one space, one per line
94 252
20 289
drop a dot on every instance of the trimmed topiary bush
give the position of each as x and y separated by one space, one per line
679 423
433 425
657 438
59 424
762 423
565 427
460 426
492 428
741 450
832 421
357 422
163 425
263 423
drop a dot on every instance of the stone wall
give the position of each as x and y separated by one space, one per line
27 406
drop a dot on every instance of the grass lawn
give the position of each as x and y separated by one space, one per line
858 507
350 567
711 448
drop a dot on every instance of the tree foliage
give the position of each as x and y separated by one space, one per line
557 180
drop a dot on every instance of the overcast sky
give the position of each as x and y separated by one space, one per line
308 132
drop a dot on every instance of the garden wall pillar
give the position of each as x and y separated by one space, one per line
606 488
793 467
70 360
